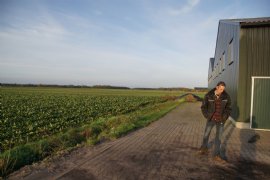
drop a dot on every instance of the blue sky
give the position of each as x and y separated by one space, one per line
138 43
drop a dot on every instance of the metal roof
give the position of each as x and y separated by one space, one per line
248 21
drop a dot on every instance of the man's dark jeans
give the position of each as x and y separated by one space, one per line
219 131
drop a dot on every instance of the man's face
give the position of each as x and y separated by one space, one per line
219 89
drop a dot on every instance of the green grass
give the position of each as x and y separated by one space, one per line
92 133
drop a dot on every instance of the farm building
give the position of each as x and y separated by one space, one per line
242 61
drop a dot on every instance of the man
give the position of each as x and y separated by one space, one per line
216 108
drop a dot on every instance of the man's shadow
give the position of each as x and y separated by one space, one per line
228 131
245 160
248 150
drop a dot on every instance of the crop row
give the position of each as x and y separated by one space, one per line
28 117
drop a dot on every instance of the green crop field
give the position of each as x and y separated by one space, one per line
31 113
36 122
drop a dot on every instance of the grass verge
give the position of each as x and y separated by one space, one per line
93 133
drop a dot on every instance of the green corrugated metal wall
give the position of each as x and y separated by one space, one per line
261 104
254 60
251 58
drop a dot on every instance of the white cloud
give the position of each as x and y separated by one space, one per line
190 4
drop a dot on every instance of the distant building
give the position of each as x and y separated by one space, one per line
242 61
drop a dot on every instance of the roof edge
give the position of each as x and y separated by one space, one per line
259 21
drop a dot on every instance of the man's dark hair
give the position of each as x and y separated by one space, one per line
221 83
